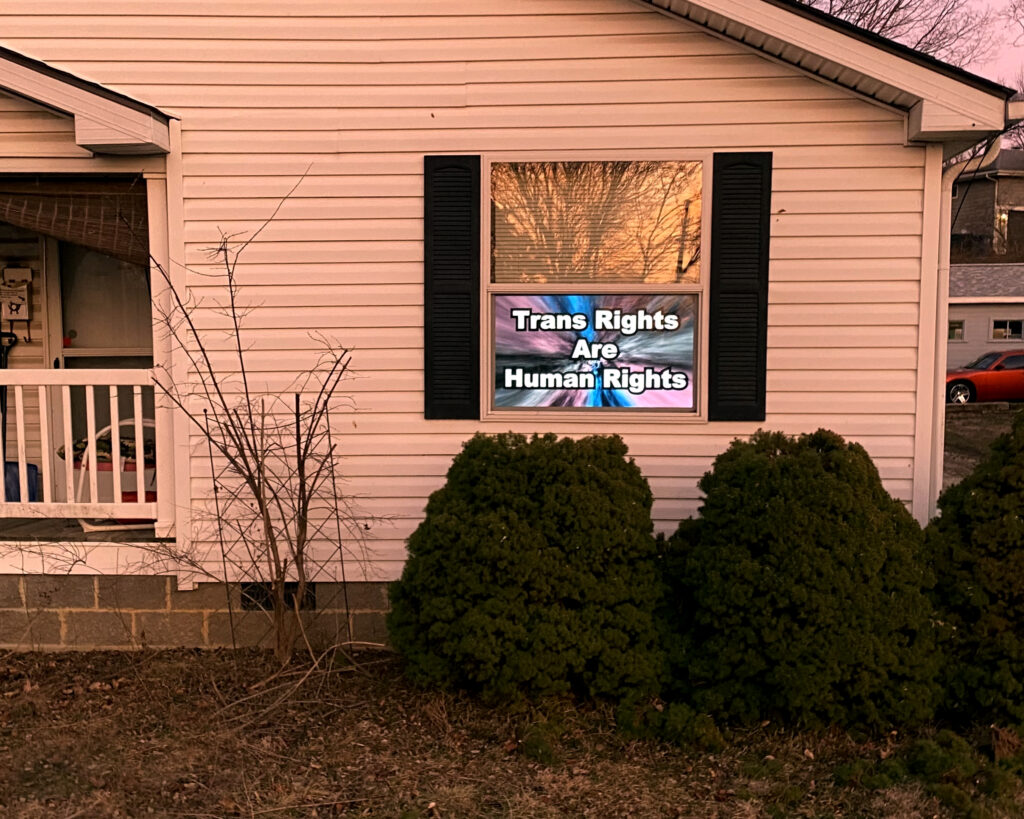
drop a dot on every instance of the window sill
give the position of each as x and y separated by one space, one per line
595 416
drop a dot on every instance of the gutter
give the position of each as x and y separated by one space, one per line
949 176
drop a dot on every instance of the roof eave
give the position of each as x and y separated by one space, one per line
945 104
106 122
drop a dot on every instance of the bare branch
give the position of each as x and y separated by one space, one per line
955 31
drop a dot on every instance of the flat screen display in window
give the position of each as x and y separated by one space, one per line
595 283
594 350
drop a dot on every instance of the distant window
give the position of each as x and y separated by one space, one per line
956 330
1006 329
1013 362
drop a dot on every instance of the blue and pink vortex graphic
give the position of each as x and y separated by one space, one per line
652 367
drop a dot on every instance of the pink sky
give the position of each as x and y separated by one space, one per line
1003 65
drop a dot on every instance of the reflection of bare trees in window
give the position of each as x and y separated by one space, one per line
579 221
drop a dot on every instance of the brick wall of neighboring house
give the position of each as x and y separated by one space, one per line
974 208
49 612
1010 193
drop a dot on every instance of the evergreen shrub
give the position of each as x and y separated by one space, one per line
799 593
533 573
978 548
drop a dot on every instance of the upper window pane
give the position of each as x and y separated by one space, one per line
554 222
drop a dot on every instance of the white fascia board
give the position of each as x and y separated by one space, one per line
930 121
962 108
148 136
102 125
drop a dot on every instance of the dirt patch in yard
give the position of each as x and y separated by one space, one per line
970 431
190 734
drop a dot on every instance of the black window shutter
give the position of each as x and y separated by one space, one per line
738 309
451 286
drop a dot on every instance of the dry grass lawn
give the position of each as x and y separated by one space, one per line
189 734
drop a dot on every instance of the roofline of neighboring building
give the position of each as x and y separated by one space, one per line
986 299
981 173
898 49
86 85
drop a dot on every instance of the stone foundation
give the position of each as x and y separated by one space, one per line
88 612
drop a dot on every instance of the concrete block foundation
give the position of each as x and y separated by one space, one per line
94 612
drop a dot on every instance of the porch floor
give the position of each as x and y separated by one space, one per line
70 530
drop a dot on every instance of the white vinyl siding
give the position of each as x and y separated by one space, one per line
358 92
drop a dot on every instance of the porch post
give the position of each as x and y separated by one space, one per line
156 189
175 233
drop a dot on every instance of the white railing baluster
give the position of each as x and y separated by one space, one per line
45 472
115 443
32 458
90 439
19 411
69 444
140 450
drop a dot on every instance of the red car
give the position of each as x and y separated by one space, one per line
990 377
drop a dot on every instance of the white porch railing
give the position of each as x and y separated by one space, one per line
95 447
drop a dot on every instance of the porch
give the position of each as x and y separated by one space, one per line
81 455
80 426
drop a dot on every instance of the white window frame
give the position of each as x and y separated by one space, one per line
488 289
963 331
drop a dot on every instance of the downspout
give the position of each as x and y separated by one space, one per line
949 176
1014 114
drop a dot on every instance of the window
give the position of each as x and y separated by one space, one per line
1007 329
956 330
595 284
1013 362
651 280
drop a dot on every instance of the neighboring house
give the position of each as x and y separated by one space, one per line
986 310
988 209
793 276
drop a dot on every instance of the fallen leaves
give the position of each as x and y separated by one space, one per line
144 733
